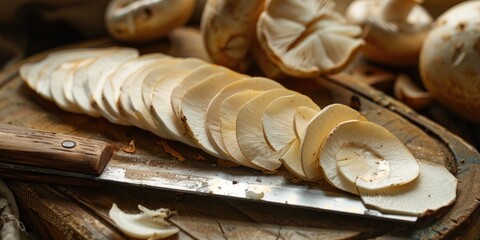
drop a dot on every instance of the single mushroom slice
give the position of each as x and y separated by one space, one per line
278 119
194 105
145 20
149 224
112 87
363 155
249 130
409 93
228 113
395 29
434 188
213 122
307 38
303 115
125 104
317 131
197 75
228 30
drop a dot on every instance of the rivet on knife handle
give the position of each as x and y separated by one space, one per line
22 146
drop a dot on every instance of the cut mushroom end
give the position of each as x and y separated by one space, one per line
363 155
434 188
150 224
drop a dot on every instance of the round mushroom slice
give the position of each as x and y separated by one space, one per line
303 115
145 20
194 107
317 131
307 38
112 88
363 155
278 119
194 77
149 224
213 112
250 136
227 30
229 112
434 188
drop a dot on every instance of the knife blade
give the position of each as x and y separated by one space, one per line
35 151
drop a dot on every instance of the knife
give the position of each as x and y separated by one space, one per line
27 154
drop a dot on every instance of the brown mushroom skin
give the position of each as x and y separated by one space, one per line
145 20
450 60
228 28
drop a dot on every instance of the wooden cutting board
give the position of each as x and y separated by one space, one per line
56 211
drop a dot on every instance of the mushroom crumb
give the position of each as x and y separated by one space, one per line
254 194
130 148
166 147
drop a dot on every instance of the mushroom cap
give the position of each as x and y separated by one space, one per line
307 38
435 187
145 20
364 155
390 41
449 60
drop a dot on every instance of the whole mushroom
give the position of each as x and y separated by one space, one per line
145 20
394 29
450 60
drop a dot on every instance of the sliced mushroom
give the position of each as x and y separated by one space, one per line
61 77
249 130
317 131
213 122
306 38
149 224
395 29
434 188
228 29
145 20
195 104
409 93
228 111
303 115
363 155
112 87
278 119
125 104
196 76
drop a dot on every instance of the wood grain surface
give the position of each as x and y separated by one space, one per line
56 211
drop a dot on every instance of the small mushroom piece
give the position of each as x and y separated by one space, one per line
406 91
394 29
449 61
307 38
145 20
364 155
149 224
434 188
317 131
228 28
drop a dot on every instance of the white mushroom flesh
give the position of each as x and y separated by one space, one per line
317 131
150 224
434 188
363 155
303 115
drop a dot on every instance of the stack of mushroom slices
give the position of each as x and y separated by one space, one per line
252 121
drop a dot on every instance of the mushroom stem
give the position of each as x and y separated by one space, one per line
398 10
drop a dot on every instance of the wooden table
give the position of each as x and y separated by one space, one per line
81 212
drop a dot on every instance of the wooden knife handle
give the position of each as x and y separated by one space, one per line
48 150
